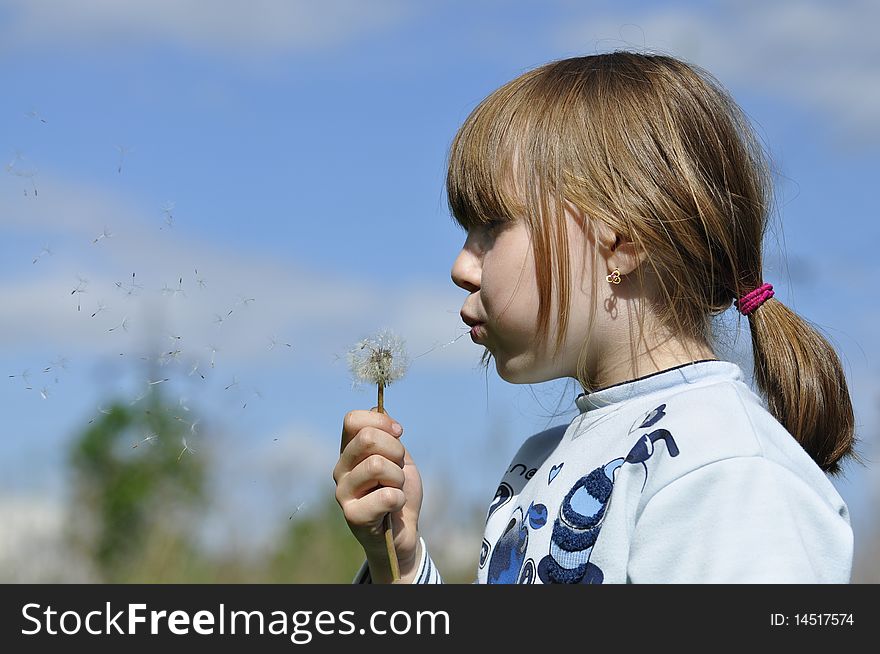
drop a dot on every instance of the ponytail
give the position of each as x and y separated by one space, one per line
800 374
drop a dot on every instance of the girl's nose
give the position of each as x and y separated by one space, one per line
466 271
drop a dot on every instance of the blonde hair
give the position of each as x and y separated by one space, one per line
658 151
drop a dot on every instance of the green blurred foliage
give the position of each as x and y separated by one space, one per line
131 479
137 503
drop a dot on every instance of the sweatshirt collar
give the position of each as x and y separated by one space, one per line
704 370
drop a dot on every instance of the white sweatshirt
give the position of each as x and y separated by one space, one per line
680 476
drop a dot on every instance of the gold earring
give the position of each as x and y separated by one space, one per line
614 277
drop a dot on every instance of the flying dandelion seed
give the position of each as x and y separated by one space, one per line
201 282
44 393
123 150
101 307
105 234
33 113
24 374
60 362
165 357
256 394
179 288
14 169
158 381
44 252
301 505
123 325
244 300
130 289
168 210
194 370
234 383
273 341
381 360
150 438
214 349
219 320
186 448
80 288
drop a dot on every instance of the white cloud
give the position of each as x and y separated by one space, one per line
245 27
821 54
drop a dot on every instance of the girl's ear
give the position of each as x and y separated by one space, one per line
625 255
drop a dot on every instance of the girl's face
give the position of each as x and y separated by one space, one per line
497 266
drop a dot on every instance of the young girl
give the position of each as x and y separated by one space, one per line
613 205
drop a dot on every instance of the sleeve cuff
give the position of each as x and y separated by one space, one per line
427 571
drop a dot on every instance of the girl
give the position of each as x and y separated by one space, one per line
613 205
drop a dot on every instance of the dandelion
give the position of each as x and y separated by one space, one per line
199 280
381 360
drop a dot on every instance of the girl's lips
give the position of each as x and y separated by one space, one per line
478 331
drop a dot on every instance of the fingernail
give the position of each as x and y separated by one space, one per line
396 428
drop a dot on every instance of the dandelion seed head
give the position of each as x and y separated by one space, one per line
379 359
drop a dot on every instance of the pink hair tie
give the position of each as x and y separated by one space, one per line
751 301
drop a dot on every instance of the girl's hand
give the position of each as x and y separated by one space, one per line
375 475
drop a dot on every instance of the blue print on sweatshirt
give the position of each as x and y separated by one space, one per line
553 472
510 550
502 497
537 515
579 522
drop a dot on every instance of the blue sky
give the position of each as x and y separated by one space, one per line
294 154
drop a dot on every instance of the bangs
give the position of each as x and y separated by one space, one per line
481 182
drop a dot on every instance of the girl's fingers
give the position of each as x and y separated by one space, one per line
373 471
368 442
373 506
355 421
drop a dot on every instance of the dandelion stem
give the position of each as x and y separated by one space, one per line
386 523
